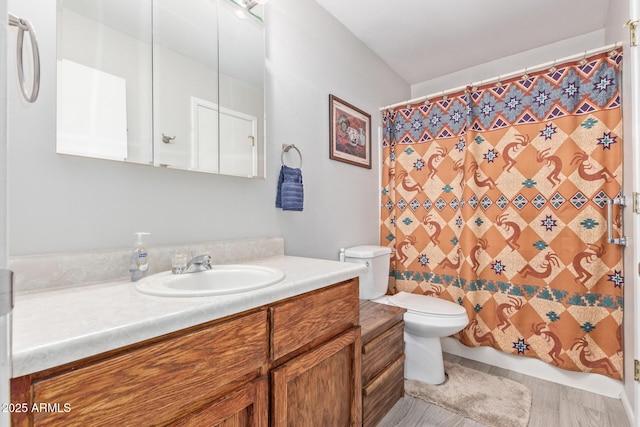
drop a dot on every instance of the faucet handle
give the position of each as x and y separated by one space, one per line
204 261
197 263
200 262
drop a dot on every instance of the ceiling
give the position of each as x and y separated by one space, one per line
424 39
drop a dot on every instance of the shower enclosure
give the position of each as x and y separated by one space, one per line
506 198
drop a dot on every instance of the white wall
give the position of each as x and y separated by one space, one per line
311 55
510 64
4 75
62 203
5 324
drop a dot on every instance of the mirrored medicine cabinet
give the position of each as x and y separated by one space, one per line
169 83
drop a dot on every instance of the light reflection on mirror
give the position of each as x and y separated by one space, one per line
164 82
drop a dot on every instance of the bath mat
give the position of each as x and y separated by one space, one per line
488 399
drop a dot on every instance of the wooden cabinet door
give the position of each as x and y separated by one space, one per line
321 387
246 407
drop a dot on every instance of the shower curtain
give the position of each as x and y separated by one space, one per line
496 199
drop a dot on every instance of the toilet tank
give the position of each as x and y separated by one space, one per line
374 282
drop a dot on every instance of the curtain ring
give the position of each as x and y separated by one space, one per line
583 62
553 68
525 76
499 82
444 96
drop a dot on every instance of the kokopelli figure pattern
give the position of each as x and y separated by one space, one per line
495 198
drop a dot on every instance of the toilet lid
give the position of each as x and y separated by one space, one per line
366 251
426 304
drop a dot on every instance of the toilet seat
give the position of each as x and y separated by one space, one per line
426 305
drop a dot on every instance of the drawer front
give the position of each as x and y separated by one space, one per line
154 384
312 316
375 318
382 393
381 351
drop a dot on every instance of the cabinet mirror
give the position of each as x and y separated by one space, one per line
167 83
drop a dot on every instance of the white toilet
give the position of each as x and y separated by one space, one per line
427 319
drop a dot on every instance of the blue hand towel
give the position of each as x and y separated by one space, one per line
290 194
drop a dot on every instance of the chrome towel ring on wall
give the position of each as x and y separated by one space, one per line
24 25
285 149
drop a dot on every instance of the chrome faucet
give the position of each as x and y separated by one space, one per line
198 263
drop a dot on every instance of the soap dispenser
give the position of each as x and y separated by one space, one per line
139 258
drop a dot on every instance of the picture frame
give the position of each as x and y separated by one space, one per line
350 133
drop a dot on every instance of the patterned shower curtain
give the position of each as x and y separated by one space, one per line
496 199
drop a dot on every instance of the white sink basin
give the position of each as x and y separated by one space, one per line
220 280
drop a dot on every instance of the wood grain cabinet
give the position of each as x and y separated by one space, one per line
247 406
316 347
320 387
158 382
382 359
294 362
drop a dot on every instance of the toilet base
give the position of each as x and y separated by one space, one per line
423 359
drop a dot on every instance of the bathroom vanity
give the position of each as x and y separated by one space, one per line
286 355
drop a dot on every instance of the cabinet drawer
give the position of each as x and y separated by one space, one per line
382 393
157 383
299 321
381 351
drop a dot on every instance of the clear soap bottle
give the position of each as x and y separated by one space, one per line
139 258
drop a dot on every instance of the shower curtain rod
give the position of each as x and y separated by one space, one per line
507 76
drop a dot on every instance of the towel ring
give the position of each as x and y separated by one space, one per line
285 149
25 26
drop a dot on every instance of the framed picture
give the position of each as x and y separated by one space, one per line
350 130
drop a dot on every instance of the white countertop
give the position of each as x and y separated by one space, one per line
54 327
